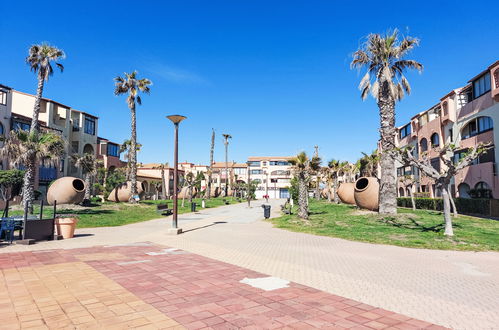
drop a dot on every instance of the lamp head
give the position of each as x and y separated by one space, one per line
176 119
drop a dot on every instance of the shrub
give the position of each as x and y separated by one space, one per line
463 205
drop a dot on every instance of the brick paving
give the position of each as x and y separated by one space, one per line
129 287
456 289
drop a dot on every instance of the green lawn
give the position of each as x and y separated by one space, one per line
416 229
110 214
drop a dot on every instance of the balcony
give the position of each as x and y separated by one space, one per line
485 137
481 103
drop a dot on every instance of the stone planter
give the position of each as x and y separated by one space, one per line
66 190
367 193
123 192
66 226
346 192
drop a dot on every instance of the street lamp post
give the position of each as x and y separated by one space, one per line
176 119
248 197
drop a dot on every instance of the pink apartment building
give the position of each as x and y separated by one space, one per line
465 117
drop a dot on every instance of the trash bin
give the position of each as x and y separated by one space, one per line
266 211
193 207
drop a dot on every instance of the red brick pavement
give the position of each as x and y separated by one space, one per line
202 293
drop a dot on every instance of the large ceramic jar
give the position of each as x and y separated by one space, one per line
123 192
367 193
345 192
66 190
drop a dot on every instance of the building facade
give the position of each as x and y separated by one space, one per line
78 129
272 175
464 117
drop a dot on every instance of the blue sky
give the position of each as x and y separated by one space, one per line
273 74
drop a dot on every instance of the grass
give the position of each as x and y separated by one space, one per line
415 229
110 214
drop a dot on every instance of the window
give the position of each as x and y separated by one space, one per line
280 172
256 172
451 135
90 125
61 167
17 125
435 163
481 85
3 97
423 145
254 163
113 150
435 141
445 108
477 126
404 170
404 131
1 129
279 163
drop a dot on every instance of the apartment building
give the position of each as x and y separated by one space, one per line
109 153
150 174
77 128
272 174
465 117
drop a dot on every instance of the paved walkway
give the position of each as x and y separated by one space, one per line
449 288
151 287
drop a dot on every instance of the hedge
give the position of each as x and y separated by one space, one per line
463 205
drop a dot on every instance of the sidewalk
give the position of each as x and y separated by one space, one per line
146 286
451 288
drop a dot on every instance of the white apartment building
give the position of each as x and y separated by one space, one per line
272 174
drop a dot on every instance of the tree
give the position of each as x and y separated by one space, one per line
210 167
227 175
131 85
163 180
126 148
40 59
408 181
22 147
384 59
368 164
450 168
304 168
10 183
335 169
89 166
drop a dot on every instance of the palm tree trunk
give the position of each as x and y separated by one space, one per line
133 156
212 149
86 199
329 188
28 184
388 180
448 219
163 185
36 108
335 188
302 197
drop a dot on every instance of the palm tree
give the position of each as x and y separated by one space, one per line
163 180
126 148
226 143
40 60
210 167
335 169
130 85
22 147
368 164
304 168
383 57
89 165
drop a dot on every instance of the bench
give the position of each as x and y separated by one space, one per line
164 210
